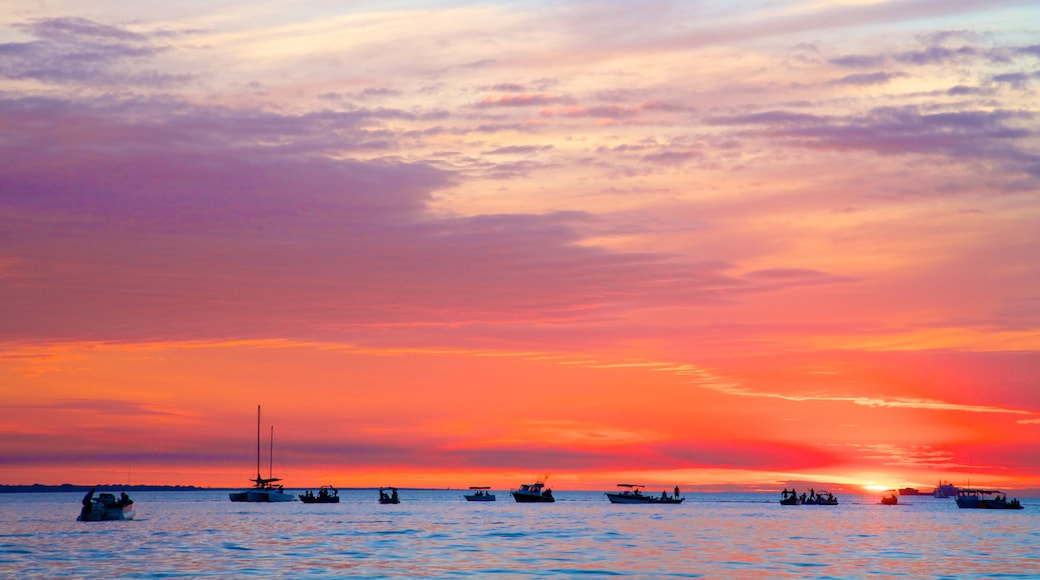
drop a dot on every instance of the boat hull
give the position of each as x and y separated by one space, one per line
986 504
532 497
485 497
260 496
312 499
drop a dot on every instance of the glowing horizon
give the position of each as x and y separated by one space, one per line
458 244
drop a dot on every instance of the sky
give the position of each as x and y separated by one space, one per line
725 245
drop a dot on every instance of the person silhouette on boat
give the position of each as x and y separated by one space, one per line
393 495
124 500
783 494
812 493
88 501
677 492
382 494
547 492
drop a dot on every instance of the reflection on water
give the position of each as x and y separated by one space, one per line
438 534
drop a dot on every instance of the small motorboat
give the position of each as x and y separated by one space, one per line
890 498
106 507
631 493
480 493
987 499
820 498
391 497
323 496
533 493
909 491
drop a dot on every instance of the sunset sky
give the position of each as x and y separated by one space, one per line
473 243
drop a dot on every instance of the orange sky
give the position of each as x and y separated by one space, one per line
473 244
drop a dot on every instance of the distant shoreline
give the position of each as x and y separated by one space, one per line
39 487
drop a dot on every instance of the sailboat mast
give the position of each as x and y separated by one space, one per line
270 456
258 442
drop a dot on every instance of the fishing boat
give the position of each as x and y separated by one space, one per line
264 489
391 498
533 493
324 495
106 507
632 493
987 499
890 498
909 491
479 493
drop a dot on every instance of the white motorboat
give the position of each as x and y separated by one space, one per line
533 493
632 493
106 507
480 494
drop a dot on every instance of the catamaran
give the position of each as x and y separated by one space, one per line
264 489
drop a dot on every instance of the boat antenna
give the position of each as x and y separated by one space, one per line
270 456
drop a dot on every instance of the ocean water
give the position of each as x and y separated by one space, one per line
437 534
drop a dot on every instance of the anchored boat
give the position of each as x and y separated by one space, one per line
533 493
264 489
479 493
987 499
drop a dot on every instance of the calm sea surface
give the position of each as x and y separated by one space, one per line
437 534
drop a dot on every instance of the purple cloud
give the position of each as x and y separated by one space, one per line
867 79
81 51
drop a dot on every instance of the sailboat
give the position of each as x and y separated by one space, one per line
264 489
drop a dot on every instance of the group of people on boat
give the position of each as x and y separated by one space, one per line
1001 501
792 497
323 493
105 507
392 497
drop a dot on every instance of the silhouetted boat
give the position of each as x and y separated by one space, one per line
944 490
533 493
790 497
821 498
909 491
264 489
479 494
631 493
392 497
106 507
891 498
987 499
323 495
